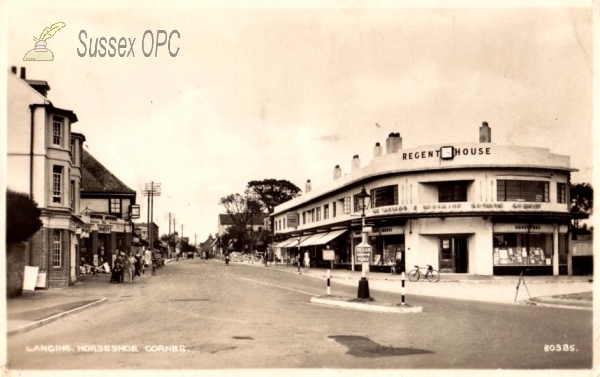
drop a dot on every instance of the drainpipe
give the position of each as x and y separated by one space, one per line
32 108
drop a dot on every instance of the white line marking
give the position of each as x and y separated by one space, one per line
279 286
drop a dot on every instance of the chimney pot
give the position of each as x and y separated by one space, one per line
377 150
13 69
337 172
485 133
23 76
308 186
355 163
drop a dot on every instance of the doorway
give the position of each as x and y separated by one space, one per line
454 254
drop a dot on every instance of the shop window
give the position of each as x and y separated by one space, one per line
384 196
452 191
561 193
522 249
57 249
57 128
325 211
527 191
57 173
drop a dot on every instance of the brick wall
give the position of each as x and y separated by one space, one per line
16 257
58 277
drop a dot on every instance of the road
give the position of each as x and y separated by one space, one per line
198 314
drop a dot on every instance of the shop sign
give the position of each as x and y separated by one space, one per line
135 211
104 228
458 207
292 219
523 228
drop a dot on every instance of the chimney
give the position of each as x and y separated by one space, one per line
485 133
23 73
377 150
393 143
337 172
355 163
13 69
308 186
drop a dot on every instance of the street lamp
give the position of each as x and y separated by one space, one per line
363 249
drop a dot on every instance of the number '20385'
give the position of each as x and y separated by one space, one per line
560 348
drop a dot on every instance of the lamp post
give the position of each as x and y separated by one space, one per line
363 250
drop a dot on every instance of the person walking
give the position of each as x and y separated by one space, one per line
306 260
129 268
138 264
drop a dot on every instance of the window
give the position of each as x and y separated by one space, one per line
561 193
452 191
526 191
72 195
304 217
115 205
284 226
333 209
347 205
72 151
312 215
57 249
57 184
384 196
318 213
325 211
57 123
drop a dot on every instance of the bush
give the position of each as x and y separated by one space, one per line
22 217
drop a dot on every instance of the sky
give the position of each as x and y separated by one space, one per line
279 90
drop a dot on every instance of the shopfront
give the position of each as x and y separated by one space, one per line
528 248
388 244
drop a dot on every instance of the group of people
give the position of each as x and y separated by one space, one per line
127 266
302 261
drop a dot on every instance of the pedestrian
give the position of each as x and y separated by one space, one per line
129 268
147 258
138 263
265 258
117 273
306 260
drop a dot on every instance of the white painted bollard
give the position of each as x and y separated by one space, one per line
403 279
328 284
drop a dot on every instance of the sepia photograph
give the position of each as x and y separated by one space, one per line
341 188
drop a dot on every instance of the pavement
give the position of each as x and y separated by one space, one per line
39 307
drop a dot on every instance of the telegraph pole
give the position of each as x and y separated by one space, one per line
151 190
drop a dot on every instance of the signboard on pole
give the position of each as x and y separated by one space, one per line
328 254
363 252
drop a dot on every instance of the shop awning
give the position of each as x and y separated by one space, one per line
323 239
283 243
307 241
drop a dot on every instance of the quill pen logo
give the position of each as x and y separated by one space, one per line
40 52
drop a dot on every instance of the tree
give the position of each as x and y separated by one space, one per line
273 192
582 199
22 217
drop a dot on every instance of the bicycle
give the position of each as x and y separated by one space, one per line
431 274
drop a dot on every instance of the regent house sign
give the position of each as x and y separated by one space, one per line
447 153
458 207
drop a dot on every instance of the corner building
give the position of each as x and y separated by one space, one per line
467 208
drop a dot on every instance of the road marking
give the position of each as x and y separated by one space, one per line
279 286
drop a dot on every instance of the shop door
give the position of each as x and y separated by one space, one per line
454 256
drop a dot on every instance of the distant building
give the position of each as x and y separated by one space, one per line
105 203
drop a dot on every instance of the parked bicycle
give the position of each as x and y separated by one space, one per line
430 274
